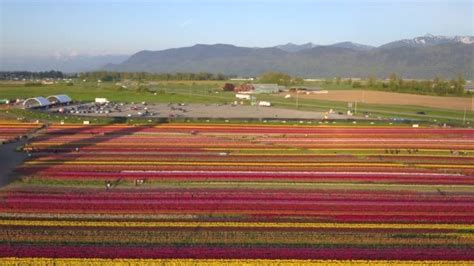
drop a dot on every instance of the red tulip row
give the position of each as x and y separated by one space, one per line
11 131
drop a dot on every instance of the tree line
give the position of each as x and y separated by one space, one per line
438 85
12 75
279 78
395 83
141 76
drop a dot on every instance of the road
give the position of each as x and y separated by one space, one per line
9 160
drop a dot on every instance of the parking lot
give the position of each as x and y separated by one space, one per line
191 111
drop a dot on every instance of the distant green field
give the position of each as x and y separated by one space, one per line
207 92
389 111
87 91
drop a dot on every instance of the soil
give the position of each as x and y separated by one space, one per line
382 97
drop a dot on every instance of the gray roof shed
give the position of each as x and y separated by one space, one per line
36 102
62 98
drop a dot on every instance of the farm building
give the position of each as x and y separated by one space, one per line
305 88
228 87
47 82
59 99
267 88
258 88
36 102
244 88
242 79
308 90
469 88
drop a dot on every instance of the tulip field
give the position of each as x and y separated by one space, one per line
236 194
10 131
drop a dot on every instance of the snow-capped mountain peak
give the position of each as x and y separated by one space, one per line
429 40
464 39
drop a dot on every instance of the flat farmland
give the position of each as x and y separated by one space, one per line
210 193
393 98
208 92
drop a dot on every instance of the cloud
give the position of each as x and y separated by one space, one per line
65 55
185 23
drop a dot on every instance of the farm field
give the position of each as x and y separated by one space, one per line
196 91
393 98
203 92
196 193
11 130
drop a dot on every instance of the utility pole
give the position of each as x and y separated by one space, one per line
464 117
472 102
297 98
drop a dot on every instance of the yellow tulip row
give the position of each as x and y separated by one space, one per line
211 262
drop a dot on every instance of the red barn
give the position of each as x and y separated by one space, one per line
228 87
244 88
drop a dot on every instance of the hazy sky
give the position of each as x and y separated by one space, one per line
124 27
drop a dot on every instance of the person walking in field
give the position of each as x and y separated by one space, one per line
108 185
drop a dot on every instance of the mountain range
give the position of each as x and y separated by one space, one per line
421 57
291 47
66 63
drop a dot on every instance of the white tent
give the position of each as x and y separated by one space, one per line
63 98
36 102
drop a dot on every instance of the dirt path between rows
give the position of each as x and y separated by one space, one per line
10 158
